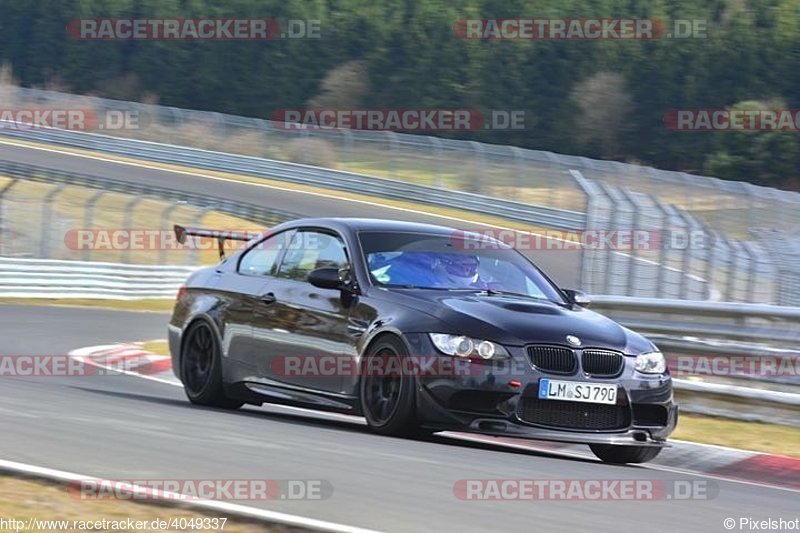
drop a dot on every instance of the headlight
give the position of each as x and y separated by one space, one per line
651 363
466 347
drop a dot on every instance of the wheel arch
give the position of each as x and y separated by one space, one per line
200 317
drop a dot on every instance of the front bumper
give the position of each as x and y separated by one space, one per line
500 398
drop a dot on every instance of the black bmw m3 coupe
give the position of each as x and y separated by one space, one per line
418 328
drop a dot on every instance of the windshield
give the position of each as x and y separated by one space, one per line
418 260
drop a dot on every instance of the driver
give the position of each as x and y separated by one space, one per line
459 271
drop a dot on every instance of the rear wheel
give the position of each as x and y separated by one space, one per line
387 399
201 368
610 453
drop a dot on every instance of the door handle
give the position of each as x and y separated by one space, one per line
268 298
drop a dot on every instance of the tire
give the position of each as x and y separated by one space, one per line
610 453
388 402
201 368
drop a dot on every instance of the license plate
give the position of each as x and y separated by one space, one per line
572 391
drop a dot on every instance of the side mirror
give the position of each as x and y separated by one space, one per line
325 278
577 297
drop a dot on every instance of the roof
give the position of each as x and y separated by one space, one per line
372 224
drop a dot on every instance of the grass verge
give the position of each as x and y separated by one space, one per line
159 347
756 436
163 305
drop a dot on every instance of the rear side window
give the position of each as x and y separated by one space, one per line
310 250
261 259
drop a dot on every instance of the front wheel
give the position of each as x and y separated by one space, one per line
611 453
387 399
201 368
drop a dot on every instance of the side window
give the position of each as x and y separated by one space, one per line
310 250
260 260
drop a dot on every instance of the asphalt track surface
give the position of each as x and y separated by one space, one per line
123 427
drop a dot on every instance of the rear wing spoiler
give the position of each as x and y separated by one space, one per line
182 232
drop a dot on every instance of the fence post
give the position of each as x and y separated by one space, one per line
683 291
634 252
711 257
730 285
594 195
3 192
662 252
88 218
127 223
194 254
436 169
753 272
166 214
393 150
47 211
479 167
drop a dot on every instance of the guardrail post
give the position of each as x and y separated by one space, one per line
3 192
47 211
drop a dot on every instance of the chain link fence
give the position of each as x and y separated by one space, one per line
50 214
747 247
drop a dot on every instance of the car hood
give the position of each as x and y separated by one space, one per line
518 321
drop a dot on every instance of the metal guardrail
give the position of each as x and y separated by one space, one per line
308 175
763 340
46 278
711 327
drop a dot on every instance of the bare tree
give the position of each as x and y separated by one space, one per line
604 104
344 87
